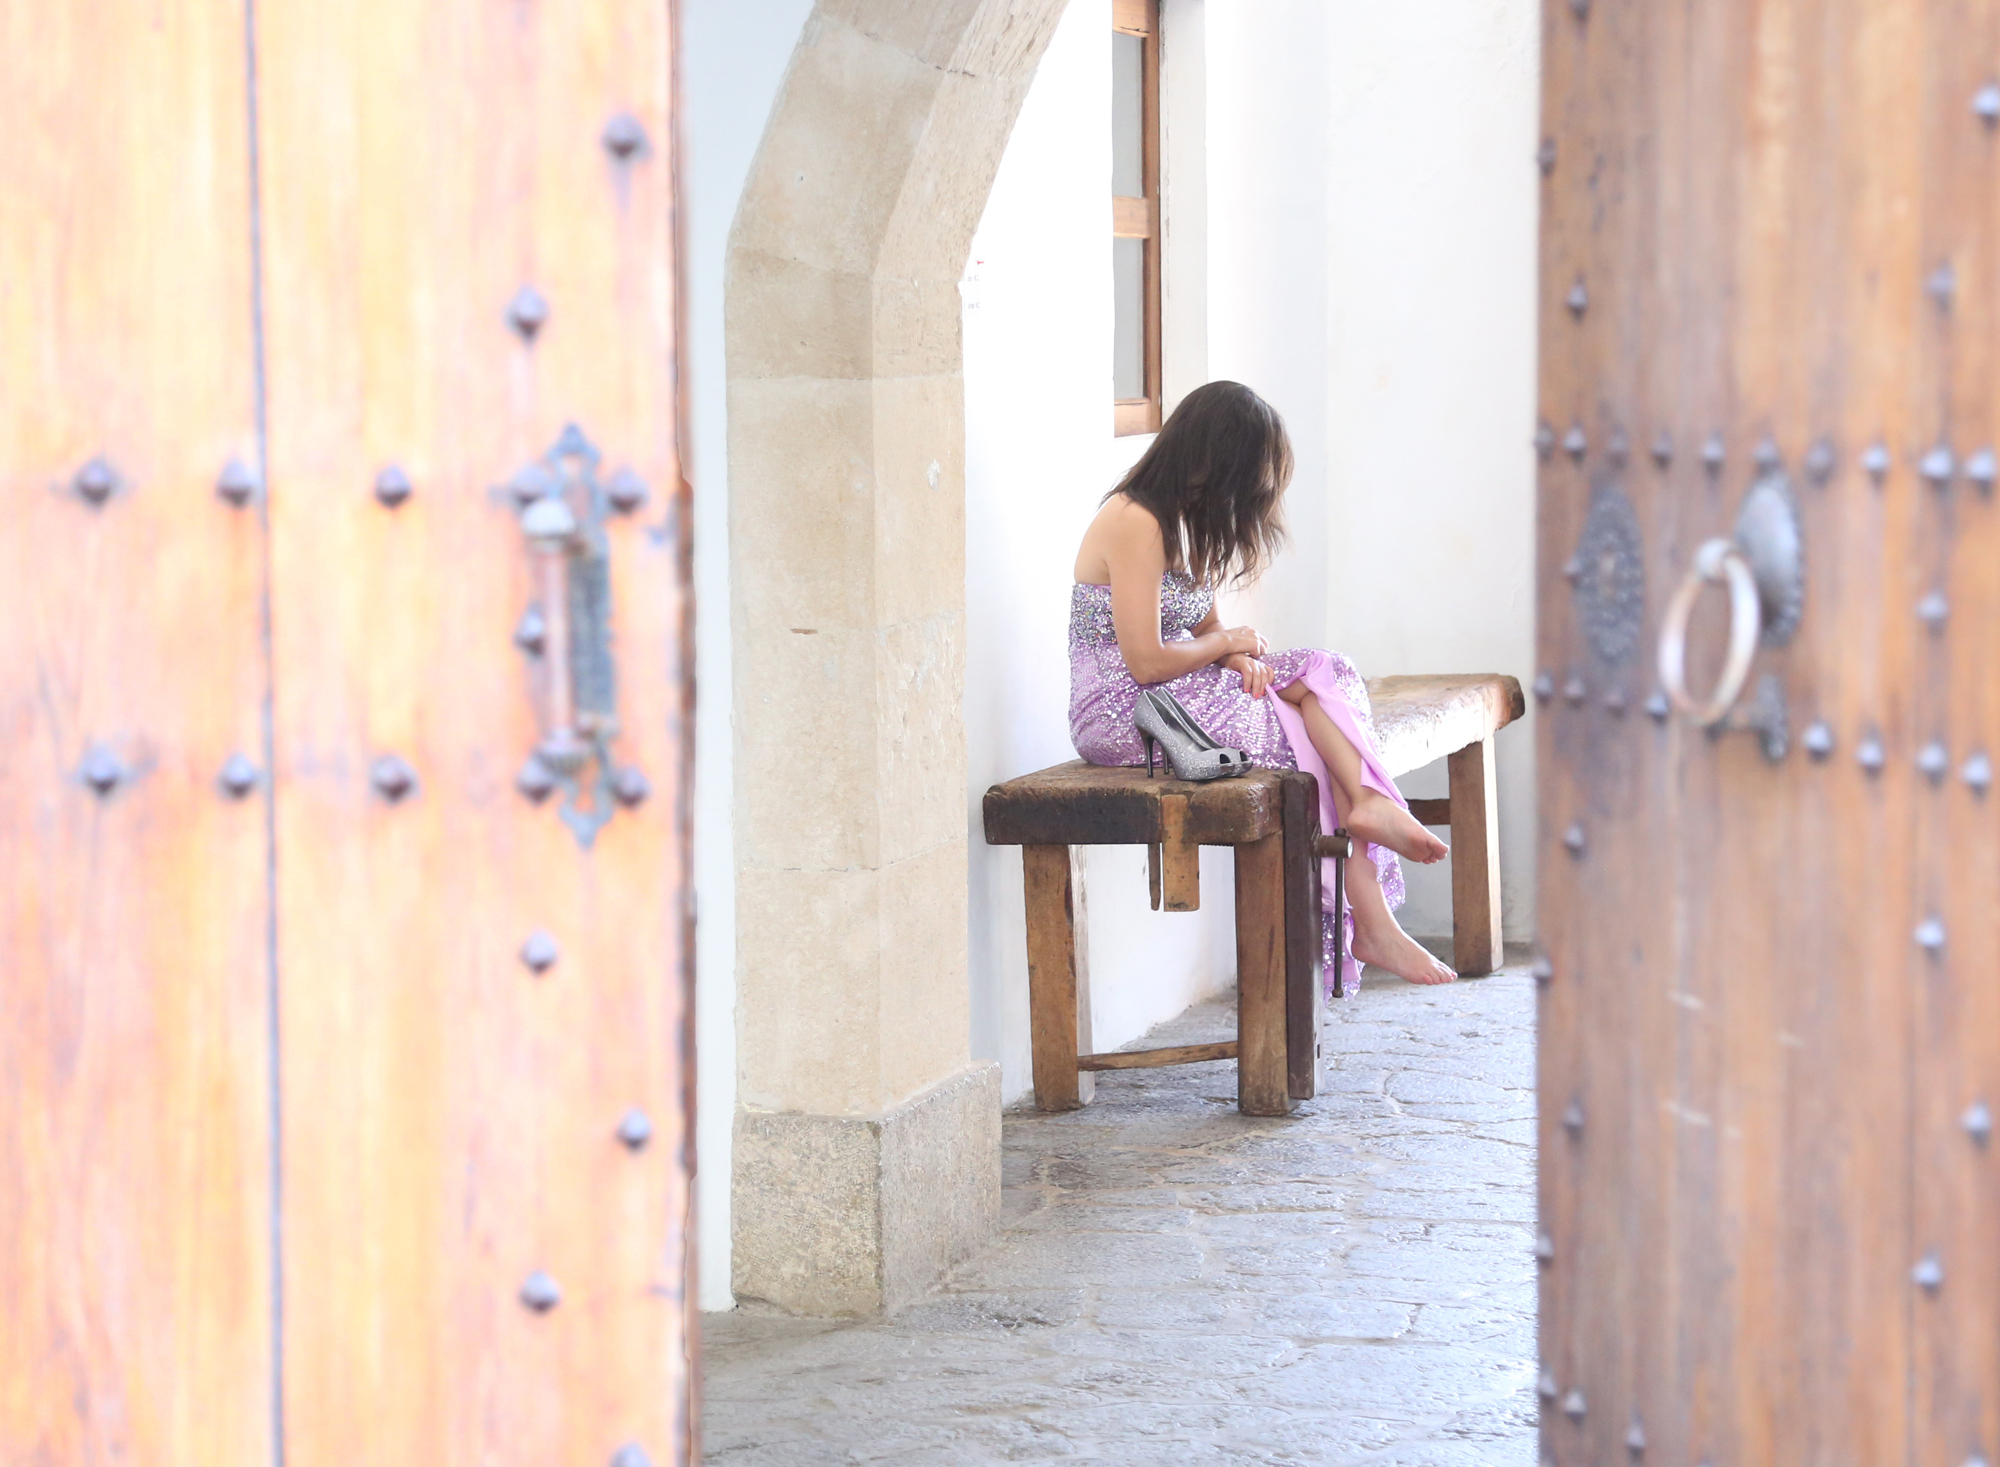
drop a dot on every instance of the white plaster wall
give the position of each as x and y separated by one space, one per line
1039 456
1371 242
733 58
1267 106
1350 200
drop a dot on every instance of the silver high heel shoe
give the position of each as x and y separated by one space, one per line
1162 722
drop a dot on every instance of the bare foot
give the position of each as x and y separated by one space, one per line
1394 949
1379 820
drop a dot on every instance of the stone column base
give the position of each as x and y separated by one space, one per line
846 1215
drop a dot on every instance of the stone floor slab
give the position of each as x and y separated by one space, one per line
1176 1283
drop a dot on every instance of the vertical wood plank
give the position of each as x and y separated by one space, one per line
451 1116
1731 998
135 1208
1052 978
1475 859
1180 858
135 1066
1303 989
1955 1205
1262 1082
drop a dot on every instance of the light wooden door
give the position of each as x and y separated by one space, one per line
1770 1024
342 1037
135 1063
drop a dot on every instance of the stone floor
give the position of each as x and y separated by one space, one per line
1176 1283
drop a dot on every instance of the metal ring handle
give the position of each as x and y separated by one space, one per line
1717 561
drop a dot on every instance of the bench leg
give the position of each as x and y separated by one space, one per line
1180 859
1262 1079
1475 860
1302 933
1053 967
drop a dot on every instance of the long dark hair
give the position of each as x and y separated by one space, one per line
1213 479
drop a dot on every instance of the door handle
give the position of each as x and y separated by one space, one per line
1716 562
564 511
550 527
1764 568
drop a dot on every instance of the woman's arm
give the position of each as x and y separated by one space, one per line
1136 556
1257 676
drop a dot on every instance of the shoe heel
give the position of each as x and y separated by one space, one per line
1151 745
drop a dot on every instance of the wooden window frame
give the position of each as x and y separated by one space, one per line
1141 218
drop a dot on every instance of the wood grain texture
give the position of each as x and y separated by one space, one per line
1421 718
1767 1069
1304 991
1954 547
1432 812
1475 859
1052 977
1180 858
1135 17
449 1117
1262 1082
135 1251
1116 805
1132 218
1152 1059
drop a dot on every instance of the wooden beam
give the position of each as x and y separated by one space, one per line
1133 218
1135 17
1262 1087
1431 812
1475 859
1147 1059
1083 804
1138 415
1304 993
1052 977
1180 858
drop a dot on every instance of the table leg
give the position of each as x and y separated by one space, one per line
1303 990
1475 859
1052 978
1262 1082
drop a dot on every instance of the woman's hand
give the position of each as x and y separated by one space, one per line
1256 675
1244 641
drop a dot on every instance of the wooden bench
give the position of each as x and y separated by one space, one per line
1419 720
1271 818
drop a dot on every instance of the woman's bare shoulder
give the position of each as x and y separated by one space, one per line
1121 531
1128 521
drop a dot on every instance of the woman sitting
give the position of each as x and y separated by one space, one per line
1200 511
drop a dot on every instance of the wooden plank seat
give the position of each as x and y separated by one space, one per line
1454 716
1271 819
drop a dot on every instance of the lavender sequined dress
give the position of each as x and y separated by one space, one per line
1102 694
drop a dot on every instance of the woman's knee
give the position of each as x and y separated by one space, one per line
1295 693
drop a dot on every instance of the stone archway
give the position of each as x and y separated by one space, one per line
867 1140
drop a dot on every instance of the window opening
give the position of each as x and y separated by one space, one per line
1135 215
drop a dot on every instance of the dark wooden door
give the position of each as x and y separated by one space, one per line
341 1032
1770 1022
